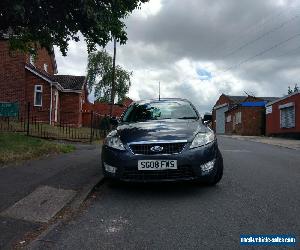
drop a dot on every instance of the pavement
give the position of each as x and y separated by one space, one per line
281 142
259 194
34 192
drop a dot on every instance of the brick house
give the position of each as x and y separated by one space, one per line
53 98
218 113
242 115
283 116
246 118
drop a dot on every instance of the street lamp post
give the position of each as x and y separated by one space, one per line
112 97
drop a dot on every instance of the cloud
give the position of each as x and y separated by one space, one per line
150 8
199 49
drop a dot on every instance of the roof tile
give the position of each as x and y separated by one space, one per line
69 81
66 81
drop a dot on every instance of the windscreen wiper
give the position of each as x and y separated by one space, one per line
188 117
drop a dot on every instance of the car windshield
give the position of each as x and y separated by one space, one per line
160 110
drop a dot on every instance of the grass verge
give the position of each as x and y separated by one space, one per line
15 147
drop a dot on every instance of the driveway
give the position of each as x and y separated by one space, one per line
31 193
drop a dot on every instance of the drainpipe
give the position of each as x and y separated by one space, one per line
50 118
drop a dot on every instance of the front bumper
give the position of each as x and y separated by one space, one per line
189 163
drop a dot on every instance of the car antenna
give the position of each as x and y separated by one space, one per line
159 90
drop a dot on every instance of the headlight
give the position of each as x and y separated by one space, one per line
113 140
202 139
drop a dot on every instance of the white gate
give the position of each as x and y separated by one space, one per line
220 120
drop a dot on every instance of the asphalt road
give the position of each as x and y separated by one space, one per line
259 194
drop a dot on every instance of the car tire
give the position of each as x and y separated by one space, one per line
105 175
219 172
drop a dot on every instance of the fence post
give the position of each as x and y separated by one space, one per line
28 117
91 135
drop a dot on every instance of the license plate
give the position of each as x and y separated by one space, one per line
157 164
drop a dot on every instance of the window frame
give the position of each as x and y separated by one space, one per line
238 118
228 118
38 91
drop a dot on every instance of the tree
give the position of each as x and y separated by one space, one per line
32 23
100 76
290 91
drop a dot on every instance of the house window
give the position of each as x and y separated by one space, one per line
287 116
31 59
228 118
238 118
46 67
38 91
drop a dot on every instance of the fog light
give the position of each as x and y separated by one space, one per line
109 168
207 167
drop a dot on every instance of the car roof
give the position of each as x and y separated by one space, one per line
161 100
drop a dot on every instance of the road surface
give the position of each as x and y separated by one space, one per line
259 194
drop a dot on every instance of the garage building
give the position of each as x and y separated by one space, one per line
230 103
246 118
283 116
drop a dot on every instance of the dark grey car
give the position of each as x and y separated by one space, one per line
162 140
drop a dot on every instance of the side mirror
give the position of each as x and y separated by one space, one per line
207 118
206 123
114 121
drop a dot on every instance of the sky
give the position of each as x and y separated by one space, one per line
199 49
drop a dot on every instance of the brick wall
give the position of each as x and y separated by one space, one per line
70 109
104 108
41 113
253 121
101 110
231 127
43 57
12 75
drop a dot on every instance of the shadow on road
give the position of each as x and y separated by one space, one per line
166 189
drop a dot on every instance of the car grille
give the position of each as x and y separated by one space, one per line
183 172
168 148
